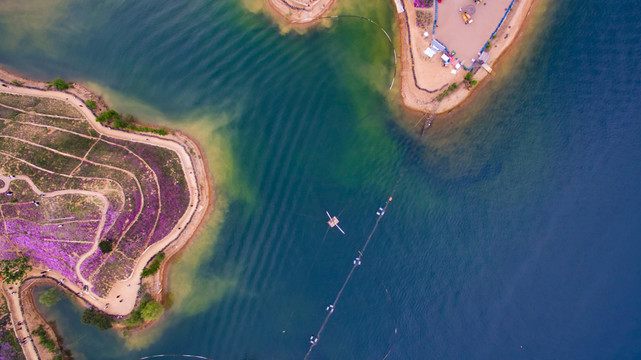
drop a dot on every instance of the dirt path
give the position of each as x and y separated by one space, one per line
122 297
103 213
11 294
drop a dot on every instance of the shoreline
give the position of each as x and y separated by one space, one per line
412 98
28 302
498 62
198 178
416 100
295 13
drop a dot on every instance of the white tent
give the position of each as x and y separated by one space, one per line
430 52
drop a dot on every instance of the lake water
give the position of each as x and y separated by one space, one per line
514 232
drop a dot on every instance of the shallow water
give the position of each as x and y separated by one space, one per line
513 234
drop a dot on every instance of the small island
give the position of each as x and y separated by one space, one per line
91 202
300 12
447 46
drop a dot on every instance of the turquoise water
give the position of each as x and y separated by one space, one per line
513 233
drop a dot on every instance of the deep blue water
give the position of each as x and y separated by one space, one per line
514 232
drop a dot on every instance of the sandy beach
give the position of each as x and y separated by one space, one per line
421 79
428 74
201 200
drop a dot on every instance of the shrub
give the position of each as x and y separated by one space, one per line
18 83
469 80
154 266
127 122
151 311
446 92
134 319
146 311
60 84
95 318
49 297
14 270
45 340
91 104
105 246
108 116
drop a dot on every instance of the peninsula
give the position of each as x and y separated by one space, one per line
447 46
89 205
299 12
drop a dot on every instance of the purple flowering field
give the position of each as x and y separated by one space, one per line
144 185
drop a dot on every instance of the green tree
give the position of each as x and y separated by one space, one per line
96 318
125 122
469 80
49 297
91 104
153 267
108 116
151 311
14 270
105 246
45 340
60 84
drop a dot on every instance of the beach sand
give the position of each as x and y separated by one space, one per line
433 76
421 79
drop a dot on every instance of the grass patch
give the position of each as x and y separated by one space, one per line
79 126
18 101
38 156
56 107
58 140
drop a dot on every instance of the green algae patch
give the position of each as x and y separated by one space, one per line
32 21
188 275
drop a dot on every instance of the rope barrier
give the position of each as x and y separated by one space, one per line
427 117
389 38
507 11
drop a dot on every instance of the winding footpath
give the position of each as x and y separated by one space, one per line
199 192
103 212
